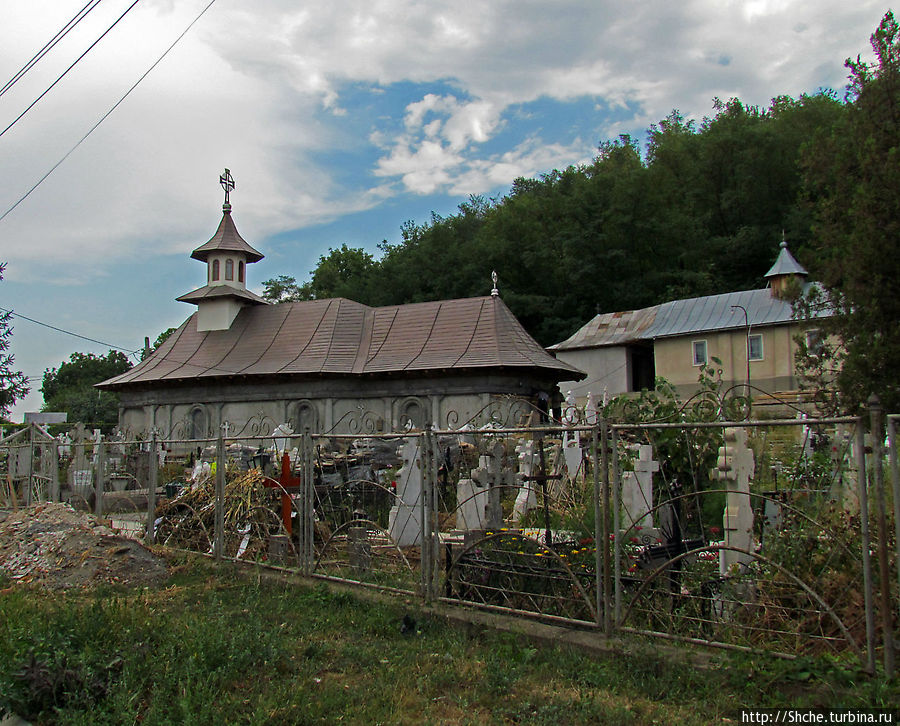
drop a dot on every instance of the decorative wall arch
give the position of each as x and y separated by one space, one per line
413 413
199 422
302 415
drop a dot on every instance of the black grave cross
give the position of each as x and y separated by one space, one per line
542 477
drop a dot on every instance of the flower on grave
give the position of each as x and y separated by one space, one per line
715 530
635 540
586 541
638 527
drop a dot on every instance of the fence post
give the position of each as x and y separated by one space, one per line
617 525
219 543
98 478
607 574
307 505
425 513
599 547
435 540
54 472
895 484
876 414
864 533
152 473
27 494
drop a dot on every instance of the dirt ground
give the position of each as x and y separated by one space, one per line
53 545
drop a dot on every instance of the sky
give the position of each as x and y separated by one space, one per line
339 121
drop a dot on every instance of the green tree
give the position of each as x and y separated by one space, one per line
70 387
13 384
852 178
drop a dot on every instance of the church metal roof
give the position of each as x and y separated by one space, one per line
226 239
341 337
785 264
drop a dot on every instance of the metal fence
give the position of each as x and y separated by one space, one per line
778 536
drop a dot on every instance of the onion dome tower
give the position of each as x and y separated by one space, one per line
226 256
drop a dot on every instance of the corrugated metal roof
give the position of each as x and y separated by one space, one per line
226 239
611 329
684 317
342 337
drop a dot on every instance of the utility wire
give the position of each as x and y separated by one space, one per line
68 332
74 63
104 116
60 34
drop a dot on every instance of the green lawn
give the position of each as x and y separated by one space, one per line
221 646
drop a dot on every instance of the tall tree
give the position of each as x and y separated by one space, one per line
70 387
13 384
853 182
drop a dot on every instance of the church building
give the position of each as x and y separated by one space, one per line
331 365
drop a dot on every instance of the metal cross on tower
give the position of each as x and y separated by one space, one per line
227 182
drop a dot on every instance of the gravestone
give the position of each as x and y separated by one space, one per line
479 495
526 499
404 519
637 489
735 467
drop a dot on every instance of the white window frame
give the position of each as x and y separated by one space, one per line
762 350
694 358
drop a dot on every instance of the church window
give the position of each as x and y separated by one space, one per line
215 270
229 269
240 270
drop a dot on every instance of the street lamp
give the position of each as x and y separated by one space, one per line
747 346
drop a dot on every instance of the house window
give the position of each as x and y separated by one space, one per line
699 351
215 270
229 269
813 341
240 270
755 347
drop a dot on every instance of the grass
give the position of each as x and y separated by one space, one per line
216 646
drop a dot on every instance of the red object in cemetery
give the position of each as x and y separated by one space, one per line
288 485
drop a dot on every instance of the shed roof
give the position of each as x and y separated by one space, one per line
208 292
341 337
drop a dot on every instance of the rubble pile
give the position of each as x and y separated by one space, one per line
187 521
53 545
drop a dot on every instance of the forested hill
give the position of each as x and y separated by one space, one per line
699 211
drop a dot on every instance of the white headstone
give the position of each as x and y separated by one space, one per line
637 488
404 520
526 499
735 467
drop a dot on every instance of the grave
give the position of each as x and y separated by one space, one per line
404 519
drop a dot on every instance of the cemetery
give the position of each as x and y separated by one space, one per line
775 536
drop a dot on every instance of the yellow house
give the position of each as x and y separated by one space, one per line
752 332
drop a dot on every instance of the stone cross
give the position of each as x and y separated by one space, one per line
491 475
404 519
637 488
526 499
735 467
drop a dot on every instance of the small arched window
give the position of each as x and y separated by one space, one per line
240 270
229 269
215 270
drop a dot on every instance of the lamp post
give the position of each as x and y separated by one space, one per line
747 341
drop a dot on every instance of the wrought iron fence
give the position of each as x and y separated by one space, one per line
779 536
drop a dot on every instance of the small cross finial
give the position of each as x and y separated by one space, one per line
495 292
227 182
783 240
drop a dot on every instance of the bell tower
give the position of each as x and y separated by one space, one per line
226 256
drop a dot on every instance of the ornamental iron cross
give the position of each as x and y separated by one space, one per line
227 182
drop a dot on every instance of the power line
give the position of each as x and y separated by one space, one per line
60 34
104 116
69 332
65 72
